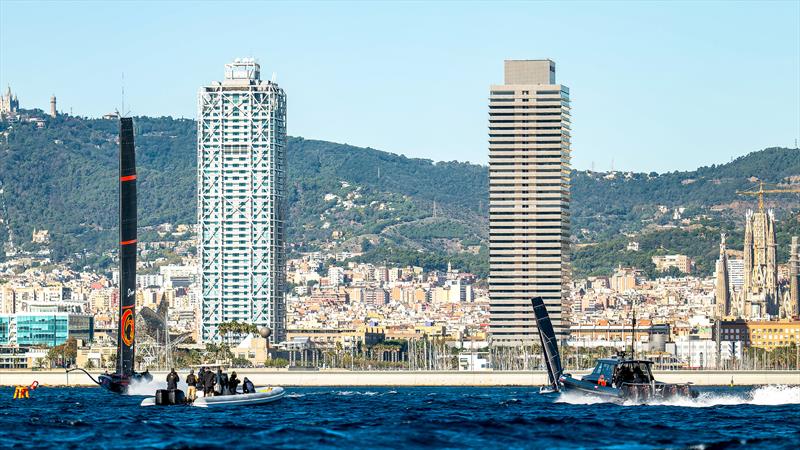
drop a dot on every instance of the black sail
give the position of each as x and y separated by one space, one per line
126 341
547 336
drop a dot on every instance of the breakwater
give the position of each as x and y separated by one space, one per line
284 377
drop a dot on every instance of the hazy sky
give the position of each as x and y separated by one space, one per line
654 85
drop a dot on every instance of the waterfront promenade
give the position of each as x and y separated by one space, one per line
283 377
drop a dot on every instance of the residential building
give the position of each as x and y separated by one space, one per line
241 177
529 167
680 262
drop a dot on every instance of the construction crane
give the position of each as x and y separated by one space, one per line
761 191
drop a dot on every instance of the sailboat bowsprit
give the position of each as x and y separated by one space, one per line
126 333
616 379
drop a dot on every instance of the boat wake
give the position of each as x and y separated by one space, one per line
765 395
148 388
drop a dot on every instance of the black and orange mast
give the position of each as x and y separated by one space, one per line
126 342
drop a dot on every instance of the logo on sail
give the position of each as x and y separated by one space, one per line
130 292
126 324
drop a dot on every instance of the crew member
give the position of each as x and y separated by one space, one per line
247 387
233 382
191 391
208 383
200 379
173 379
218 387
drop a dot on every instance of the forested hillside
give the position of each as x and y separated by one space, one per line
62 178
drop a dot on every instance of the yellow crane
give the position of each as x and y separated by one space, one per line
761 191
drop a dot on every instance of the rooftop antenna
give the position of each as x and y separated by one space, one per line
274 77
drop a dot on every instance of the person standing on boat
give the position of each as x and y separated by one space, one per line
218 387
233 382
191 391
172 380
224 383
208 383
199 382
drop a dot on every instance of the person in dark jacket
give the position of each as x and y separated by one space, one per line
173 379
224 383
233 382
247 386
199 382
218 387
191 391
208 383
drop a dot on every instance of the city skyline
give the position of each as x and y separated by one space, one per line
730 50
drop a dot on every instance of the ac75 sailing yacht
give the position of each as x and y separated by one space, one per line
126 331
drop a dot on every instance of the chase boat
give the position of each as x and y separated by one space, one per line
175 396
617 379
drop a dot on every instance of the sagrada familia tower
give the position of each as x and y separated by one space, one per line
761 294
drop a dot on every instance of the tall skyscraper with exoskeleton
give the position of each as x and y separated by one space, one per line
529 166
241 176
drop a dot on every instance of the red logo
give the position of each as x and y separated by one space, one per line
126 324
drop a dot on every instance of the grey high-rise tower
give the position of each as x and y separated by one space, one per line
529 169
241 177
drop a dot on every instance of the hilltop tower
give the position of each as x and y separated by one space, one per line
53 112
723 293
760 290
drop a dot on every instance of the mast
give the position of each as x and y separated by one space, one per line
126 341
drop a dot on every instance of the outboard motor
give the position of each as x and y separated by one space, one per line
166 397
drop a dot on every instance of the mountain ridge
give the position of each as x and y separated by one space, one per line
62 178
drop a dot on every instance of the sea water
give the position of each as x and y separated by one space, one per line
485 418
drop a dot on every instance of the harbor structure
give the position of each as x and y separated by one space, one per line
241 164
529 166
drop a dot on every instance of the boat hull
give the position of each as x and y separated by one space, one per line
638 393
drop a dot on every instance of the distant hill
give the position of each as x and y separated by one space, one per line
62 178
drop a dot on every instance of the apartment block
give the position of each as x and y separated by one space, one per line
529 167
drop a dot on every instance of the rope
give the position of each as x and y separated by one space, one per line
84 371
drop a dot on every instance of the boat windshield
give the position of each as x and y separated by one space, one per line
603 368
634 372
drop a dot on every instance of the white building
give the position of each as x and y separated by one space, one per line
241 142
335 276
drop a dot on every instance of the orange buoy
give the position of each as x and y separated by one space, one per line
34 385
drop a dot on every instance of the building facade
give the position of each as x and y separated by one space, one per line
529 167
45 328
241 176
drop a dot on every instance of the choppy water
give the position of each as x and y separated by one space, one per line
767 417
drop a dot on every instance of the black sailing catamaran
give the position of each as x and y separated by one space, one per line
617 379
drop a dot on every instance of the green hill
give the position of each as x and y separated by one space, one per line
62 178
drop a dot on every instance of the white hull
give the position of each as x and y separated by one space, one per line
261 396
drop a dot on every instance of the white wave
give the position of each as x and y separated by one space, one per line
770 395
369 393
149 388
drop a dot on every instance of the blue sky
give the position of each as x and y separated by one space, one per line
655 85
